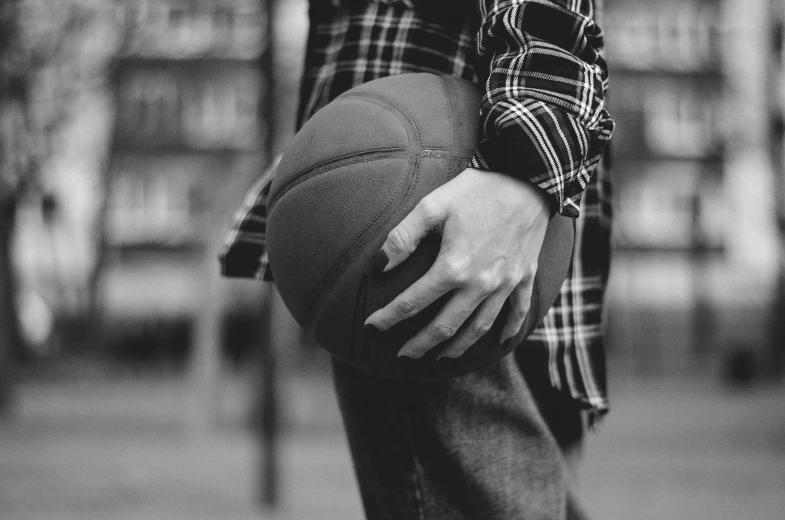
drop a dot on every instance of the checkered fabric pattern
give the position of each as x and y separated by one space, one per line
543 119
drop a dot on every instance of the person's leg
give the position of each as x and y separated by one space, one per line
560 411
474 447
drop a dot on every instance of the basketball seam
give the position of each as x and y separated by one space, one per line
329 281
383 102
386 103
336 162
454 114
327 284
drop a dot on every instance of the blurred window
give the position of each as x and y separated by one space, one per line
150 104
663 35
678 122
176 28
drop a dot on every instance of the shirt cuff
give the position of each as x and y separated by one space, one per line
547 147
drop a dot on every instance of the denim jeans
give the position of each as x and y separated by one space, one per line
476 447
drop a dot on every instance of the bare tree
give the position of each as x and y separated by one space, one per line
12 97
48 56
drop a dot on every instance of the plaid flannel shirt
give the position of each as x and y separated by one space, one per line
543 119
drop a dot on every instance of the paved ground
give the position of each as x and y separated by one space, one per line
118 449
689 451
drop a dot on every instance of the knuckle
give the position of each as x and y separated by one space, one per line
518 312
481 328
513 277
487 282
455 269
407 308
429 209
509 282
398 239
443 331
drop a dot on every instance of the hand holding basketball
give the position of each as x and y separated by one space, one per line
383 166
492 228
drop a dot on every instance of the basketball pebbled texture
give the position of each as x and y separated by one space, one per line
348 177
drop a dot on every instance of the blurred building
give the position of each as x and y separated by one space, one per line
189 135
696 90
666 69
694 214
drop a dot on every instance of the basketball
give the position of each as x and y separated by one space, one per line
348 177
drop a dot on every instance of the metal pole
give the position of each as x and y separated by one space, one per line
269 427
777 150
269 430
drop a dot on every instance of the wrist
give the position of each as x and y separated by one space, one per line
533 198
547 202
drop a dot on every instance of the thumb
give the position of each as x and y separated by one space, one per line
404 238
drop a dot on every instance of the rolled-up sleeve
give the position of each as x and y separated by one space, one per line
543 115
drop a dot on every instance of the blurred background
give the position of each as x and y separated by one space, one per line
136 383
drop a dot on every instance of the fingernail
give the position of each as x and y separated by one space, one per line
379 261
374 320
405 352
369 328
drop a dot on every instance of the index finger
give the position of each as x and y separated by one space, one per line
426 290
